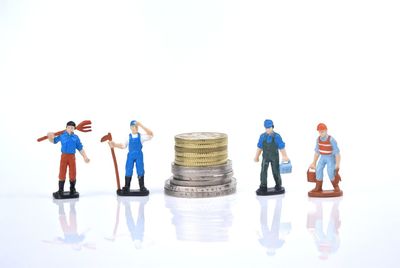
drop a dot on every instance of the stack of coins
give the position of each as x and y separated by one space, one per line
201 167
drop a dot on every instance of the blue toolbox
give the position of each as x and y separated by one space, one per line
285 167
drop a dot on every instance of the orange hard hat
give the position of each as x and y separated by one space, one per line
321 126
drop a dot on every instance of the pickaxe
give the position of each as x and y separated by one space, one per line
108 137
83 126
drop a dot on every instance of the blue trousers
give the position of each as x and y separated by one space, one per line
132 159
330 162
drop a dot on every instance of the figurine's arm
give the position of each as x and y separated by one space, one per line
257 157
148 131
285 158
113 144
50 137
314 163
83 153
337 156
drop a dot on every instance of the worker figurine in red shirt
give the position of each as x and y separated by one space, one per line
70 142
327 154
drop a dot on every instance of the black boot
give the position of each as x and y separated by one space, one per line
61 187
262 189
60 191
141 184
72 187
278 187
127 183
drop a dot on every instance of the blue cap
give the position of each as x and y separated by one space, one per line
268 123
133 122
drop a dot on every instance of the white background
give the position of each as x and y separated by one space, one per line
185 66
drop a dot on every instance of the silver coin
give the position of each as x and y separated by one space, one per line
176 182
204 191
201 171
210 177
200 189
200 195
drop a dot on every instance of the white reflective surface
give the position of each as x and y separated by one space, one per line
103 230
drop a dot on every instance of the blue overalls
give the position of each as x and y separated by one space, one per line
330 162
135 155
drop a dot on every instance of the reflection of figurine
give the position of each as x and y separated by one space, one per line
135 156
269 144
70 142
272 238
327 242
69 227
136 229
327 151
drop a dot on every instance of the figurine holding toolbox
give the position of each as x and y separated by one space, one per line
327 154
270 144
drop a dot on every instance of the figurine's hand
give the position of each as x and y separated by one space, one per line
285 159
138 124
111 144
87 160
50 135
337 167
256 159
312 166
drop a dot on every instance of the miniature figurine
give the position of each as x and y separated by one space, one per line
70 142
327 151
135 156
269 144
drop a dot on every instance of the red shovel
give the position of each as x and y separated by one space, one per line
83 126
108 137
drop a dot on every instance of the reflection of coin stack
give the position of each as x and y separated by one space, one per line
201 167
201 220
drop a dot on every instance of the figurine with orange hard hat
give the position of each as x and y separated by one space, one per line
327 154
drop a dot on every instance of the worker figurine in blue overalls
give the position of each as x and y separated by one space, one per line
327 151
269 144
135 156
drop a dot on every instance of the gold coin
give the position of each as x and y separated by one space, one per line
200 150
201 137
201 155
202 146
199 164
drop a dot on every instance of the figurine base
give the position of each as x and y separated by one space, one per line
65 195
325 193
270 191
133 193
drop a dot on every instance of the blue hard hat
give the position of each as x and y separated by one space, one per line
268 123
133 122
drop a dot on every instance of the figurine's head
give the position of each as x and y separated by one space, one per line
322 129
70 127
269 126
134 127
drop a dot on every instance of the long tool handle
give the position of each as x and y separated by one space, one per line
58 133
116 168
